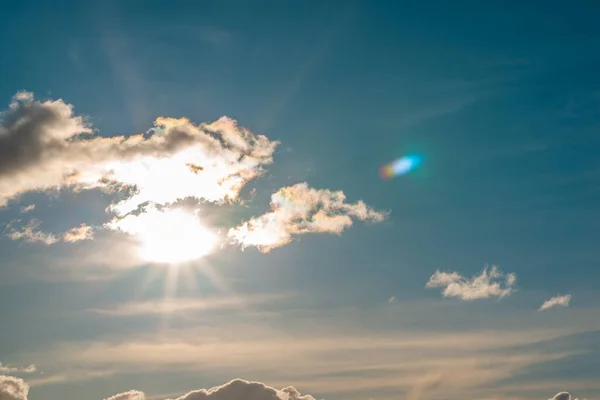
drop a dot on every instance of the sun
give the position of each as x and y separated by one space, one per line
169 237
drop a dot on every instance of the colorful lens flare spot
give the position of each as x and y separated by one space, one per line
400 166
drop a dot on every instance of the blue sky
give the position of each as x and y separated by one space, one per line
388 293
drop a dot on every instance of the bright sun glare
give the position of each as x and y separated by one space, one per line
173 237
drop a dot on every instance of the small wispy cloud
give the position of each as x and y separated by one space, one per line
26 209
556 301
300 209
78 233
7 369
32 233
490 283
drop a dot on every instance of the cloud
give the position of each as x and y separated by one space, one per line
12 388
6 369
32 234
182 305
297 210
478 287
131 395
326 359
26 209
79 233
430 382
556 301
43 146
237 389
562 396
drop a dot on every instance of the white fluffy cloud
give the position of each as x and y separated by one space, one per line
12 388
44 146
490 283
556 301
299 209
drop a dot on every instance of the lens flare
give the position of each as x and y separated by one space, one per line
400 166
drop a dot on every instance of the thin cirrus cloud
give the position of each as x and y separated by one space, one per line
31 233
234 348
7 369
297 210
490 283
174 160
556 301
182 305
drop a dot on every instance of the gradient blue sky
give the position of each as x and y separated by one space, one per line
500 98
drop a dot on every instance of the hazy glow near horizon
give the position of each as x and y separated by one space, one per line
400 166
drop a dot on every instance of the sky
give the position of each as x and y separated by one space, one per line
197 200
